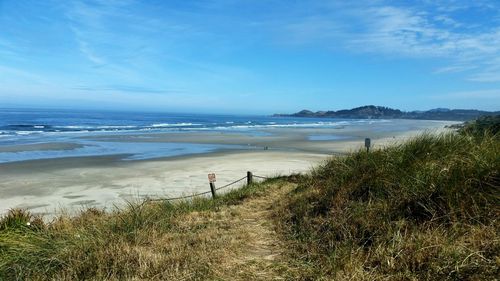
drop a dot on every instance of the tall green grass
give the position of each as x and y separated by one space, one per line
426 209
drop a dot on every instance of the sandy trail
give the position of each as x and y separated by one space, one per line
259 255
240 241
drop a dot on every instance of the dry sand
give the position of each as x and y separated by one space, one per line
52 187
71 184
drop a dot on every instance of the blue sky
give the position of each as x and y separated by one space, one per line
249 56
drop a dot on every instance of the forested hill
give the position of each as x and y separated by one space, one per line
381 112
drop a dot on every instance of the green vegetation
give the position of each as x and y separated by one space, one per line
484 125
427 209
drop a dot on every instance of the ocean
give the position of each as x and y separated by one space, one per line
30 134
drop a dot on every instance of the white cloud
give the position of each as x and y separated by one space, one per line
428 30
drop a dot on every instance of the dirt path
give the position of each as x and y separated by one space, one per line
258 255
240 240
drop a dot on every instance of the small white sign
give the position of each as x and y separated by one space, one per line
211 177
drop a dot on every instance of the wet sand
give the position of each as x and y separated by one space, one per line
69 184
40 147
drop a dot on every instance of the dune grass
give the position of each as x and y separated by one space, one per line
141 241
426 209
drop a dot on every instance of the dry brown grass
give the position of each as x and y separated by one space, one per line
424 210
231 238
259 254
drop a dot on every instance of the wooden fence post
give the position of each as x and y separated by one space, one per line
249 178
212 188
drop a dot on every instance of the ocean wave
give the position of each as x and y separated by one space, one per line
27 129
371 121
90 127
290 125
71 127
24 127
23 133
168 125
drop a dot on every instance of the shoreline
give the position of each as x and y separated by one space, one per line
170 145
67 185
52 189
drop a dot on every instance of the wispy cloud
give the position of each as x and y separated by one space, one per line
109 32
89 53
223 48
489 73
416 30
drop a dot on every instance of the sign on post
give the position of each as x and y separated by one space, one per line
211 180
367 144
211 177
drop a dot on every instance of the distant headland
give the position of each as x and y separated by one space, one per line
382 112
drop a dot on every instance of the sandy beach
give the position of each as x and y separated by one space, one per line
51 186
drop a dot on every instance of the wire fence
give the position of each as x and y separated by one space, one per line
234 182
208 192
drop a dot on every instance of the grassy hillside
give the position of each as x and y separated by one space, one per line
154 241
427 209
